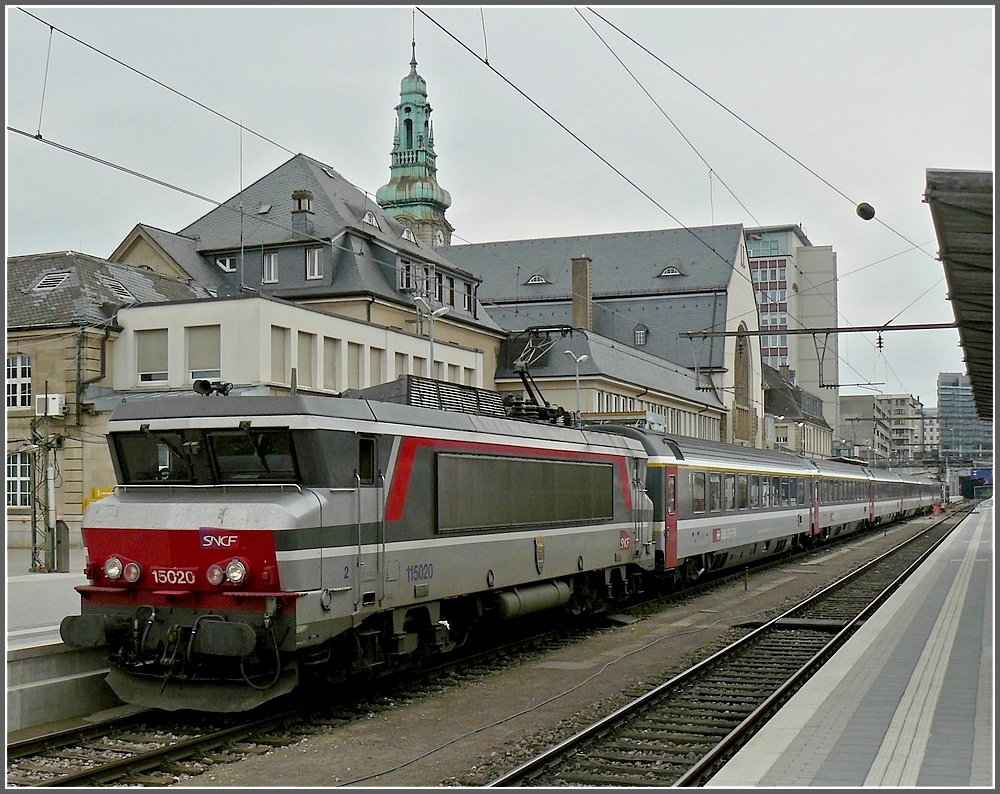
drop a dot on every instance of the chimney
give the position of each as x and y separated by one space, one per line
583 314
302 211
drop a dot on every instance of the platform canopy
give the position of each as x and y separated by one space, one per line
961 204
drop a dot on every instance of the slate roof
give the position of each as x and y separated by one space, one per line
622 264
627 288
184 251
337 205
610 359
782 398
86 296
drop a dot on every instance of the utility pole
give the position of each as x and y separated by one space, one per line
43 498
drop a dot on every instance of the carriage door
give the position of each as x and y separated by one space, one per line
814 508
871 502
369 556
670 518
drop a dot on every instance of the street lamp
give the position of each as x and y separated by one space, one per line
432 315
577 362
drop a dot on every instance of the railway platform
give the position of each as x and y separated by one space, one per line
908 700
46 681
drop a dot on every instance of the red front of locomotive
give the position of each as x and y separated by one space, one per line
191 618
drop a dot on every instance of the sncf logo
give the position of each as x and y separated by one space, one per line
218 541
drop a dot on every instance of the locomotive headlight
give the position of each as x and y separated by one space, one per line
113 568
236 572
215 574
132 572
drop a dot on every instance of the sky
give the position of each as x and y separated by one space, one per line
548 121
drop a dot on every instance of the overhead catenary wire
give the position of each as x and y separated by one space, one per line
202 105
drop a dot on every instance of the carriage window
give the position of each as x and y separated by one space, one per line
698 492
784 492
793 488
742 497
801 486
672 494
776 500
754 491
765 491
729 491
714 493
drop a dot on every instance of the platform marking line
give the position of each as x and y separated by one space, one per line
899 758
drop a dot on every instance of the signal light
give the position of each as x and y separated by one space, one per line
132 572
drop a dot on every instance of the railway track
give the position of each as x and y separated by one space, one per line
154 748
682 731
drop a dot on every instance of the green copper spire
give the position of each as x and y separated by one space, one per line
413 195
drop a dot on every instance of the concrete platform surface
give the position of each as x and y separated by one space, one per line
908 700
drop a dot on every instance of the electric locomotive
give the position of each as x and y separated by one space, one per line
251 540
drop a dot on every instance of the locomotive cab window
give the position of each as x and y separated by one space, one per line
253 455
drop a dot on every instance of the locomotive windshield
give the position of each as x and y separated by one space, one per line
205 457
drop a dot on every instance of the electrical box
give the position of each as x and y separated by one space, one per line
50 404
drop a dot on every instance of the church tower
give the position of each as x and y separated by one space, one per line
413 196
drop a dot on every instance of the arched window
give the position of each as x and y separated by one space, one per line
371 220
18 381
408 235
744 424
670 271
536 279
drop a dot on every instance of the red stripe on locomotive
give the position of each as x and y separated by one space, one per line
408 452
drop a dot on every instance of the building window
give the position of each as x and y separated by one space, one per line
639 334
439 287
451 291
18 381
314 263
226 263
670 271
467 305
151 355
270 274
19 480
405 275
408 235
536 279
204 352
371 220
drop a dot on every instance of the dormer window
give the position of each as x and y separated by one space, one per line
226 263
670 270
639 335
50 282
302 201
536 279
408 235
371 220
117 288
263 209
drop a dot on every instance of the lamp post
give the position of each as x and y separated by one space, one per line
576 363
432 315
